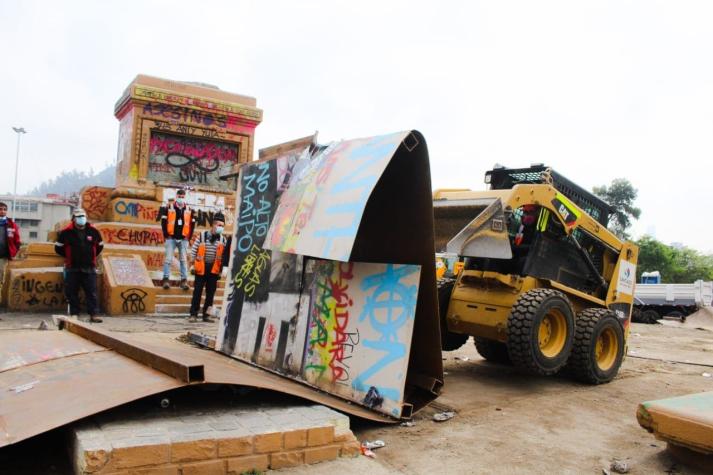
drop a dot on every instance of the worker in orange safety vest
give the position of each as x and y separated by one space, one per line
209 254
177 223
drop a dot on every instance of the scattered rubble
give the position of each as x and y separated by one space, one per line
443 416
619 466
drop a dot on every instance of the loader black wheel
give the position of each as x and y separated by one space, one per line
492 350
449 340
540 331
598 346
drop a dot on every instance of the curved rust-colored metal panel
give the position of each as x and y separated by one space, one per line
64 378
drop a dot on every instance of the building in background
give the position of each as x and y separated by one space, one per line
36 216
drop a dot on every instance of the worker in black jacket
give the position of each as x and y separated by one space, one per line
80 243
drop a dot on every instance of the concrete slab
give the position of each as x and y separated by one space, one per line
685 421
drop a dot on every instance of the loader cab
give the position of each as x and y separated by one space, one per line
542 248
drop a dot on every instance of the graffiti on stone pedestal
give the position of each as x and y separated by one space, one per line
190 160
95 201
131 236
133 300
37 292
136 210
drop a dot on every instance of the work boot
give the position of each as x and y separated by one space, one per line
165 283
184 284
95 319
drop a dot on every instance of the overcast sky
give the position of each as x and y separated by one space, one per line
598 90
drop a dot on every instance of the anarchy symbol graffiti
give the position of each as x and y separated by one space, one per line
133 300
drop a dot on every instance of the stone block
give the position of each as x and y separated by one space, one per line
320 436
350 449
151 451
321 454
163 470
127 287
296 439
264 443
235 446
187 450
341 435
286 459
91 454
258 463
209 467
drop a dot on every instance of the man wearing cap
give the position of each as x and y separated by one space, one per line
177 222
9 240
80 243
208 253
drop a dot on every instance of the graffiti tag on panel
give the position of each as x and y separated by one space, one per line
190 160
360 324
320 212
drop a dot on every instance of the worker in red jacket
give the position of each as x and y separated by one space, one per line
80 243
9 241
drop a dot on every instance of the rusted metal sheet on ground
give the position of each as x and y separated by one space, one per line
685 421
39 397
29 347
332 280
66 378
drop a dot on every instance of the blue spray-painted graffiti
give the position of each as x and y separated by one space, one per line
364 178
389 307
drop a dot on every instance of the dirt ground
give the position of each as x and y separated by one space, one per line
507 422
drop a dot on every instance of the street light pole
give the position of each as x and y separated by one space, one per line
19 131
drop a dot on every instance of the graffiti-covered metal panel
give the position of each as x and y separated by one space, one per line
300 302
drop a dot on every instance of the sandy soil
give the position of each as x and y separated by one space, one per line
507 422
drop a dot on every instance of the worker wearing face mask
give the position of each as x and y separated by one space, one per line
80 243
177 223
208 254
9 240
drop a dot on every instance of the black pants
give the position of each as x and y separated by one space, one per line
210 281
73 280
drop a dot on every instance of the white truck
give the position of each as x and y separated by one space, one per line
652 301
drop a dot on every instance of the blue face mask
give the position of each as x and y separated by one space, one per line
81 221
219 230
180 201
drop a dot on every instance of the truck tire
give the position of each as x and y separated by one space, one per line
637 316
450 341
540 331
650 316
598 346
492 350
